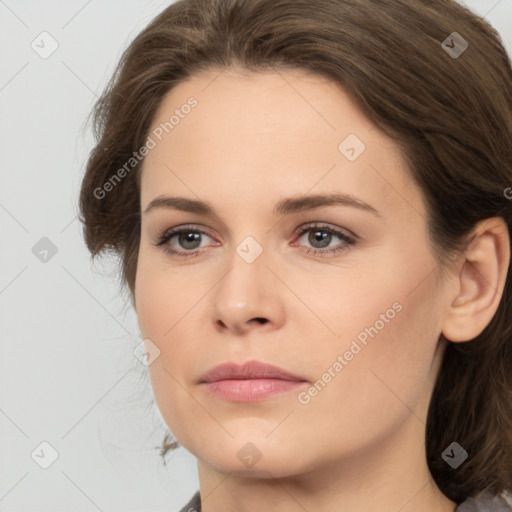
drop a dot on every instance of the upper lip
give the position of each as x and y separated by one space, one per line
248 370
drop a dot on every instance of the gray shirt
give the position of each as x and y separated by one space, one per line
483 503
486 503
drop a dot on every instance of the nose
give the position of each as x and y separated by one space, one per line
248 298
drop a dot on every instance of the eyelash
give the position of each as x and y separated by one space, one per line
163 239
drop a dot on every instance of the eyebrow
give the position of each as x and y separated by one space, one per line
283 207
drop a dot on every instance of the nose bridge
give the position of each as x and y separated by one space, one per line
241 285
244 293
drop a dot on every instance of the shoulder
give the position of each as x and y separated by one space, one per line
486 502
194 505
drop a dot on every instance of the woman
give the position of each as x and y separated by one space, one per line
311 201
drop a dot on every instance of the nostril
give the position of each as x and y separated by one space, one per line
261 320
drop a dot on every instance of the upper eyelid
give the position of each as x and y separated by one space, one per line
311 224
299 231
347 239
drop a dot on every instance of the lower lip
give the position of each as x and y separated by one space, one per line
249 390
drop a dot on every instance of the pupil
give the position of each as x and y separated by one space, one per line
320 236
189 238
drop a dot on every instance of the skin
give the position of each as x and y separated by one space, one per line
358 444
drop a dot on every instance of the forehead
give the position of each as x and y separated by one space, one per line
285 131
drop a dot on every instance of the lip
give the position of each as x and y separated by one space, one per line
250 381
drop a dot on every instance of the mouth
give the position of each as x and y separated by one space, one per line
249 382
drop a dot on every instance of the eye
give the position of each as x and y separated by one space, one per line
187 238
187 241
321 236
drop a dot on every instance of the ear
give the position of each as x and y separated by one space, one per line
479 287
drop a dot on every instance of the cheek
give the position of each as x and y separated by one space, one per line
164 296
164 302
387 341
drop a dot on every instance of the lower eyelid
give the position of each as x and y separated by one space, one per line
164 240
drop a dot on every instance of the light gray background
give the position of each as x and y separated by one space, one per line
67 337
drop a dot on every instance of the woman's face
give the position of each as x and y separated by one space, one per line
279 263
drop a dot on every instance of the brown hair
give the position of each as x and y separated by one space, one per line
450 114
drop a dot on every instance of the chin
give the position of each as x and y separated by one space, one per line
274 465
248 455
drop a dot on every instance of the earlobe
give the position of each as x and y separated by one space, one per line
480 283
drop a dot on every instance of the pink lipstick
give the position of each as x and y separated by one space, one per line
249 382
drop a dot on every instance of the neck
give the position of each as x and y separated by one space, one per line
390 476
